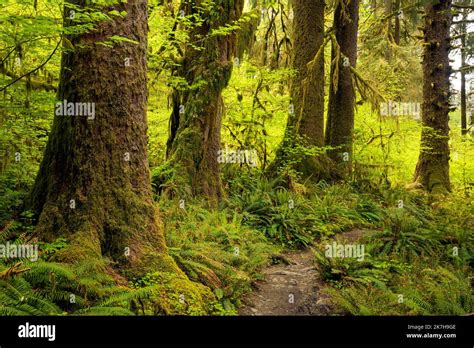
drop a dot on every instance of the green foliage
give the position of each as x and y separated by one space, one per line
92 288
257 105
283 216
417 264
406 236
438 291
168 294
215 248
341 272
421 250
18 298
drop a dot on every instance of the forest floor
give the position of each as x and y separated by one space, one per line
293 287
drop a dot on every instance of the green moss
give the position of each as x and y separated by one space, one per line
176 295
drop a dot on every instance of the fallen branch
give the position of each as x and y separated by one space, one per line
13 271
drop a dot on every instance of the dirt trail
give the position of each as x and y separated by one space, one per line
288 289
293 288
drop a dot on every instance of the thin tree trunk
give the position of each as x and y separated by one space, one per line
340 121
396 29
463 74
463 99
388 9
432 170
196 119
93 185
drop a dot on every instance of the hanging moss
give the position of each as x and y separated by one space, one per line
304 134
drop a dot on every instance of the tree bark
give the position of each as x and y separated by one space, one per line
93 185
463 27
195 123
396 29
432 169
340 120
305 126
388 9
307 90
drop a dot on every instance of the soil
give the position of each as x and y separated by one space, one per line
288 289
293 287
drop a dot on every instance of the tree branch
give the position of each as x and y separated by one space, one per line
12 271
34 84
35 69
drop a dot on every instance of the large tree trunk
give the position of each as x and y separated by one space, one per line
93 185
340 121
196 119
432 170
307 90
306 120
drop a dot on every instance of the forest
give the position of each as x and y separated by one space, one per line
236 157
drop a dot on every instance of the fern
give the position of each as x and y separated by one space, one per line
104 311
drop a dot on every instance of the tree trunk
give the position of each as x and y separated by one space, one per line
93 185
340 122
463 73
432 170
307 90
396 29
306 120
388 9
195 122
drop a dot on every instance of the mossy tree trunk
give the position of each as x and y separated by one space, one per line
306 120
432 169
397 29
307 89
195 123
464 48
392 9
93 186
340 120
388 9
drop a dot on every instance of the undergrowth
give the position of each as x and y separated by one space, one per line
419 262
418 254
